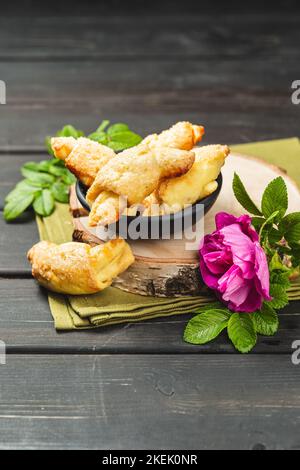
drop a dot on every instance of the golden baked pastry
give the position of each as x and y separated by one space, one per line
198 182
133 175
78 268
182 135
83 157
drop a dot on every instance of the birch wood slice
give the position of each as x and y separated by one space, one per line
167 268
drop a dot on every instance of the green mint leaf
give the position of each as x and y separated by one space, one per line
279 296
266 320
60 191
22 188
58 170
17 206
206 326
44 203
34 166
68 178
275 198
44 165
243 197
57 162
48 146
69 131
99 136
123 140
115 128
241 332
35 176
103 125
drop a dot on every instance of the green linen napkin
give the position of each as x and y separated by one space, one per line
112 305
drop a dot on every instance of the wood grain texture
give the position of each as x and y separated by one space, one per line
126 37
227 97
106 402
15 240
26 326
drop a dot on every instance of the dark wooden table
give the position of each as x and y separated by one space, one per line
139 385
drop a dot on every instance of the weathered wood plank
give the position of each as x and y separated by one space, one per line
26 326
227 97
236 125
124 37
106 402
15 240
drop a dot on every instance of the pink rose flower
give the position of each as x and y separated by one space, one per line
234 265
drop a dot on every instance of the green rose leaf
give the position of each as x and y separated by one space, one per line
44 203
36 177
292 235
206 326
17 206
257 222
279 296
275 198
60 191
241 332
281 278
243 197
266 320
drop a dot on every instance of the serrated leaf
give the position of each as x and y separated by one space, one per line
206 326
279 296
275 198
281 278
289 220
241 332
60 192
210 306
276 263
266 320
292 235
243 197
44 203
257 222
35 176
17 206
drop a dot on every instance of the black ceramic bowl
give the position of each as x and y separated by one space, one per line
156 227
